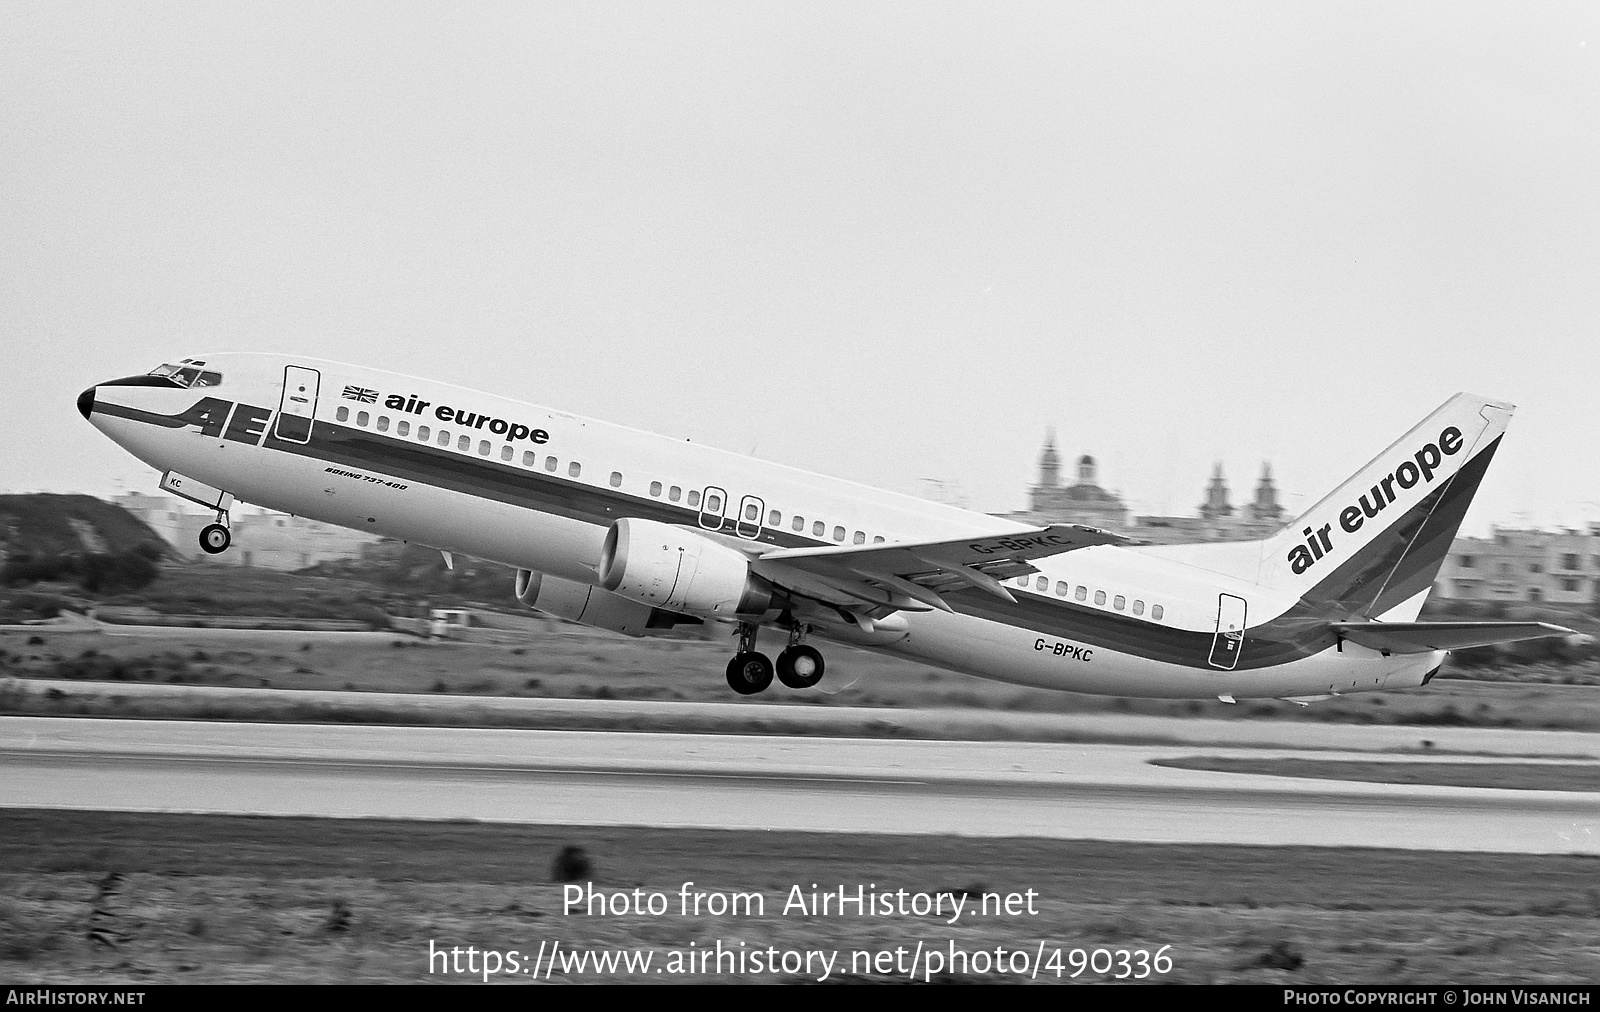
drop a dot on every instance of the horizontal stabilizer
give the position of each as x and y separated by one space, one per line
1421 637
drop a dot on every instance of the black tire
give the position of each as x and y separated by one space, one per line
215 539
800 667
749 673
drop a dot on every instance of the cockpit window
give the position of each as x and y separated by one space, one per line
188 373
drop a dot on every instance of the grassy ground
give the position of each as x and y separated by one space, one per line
1508 776
100 898
571 662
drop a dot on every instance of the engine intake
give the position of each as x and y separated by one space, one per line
668 567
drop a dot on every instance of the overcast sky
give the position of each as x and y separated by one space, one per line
883 241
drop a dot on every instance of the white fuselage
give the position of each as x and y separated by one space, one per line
536 488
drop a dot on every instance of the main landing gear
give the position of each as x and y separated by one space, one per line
215 538
798 667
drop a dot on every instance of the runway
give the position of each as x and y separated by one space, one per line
846 785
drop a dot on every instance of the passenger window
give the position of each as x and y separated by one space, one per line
860 538
506 452
403 429
1081 594
1119 602
464 443
444 437
752 511
817 529
774 518
693 499
838 534
655 488
877 540
550 464
342 415
799 523
1043 583
675 493
1155 612
1061 588
383 423
574 469
529 458
361 419
483 447
616 479
422 432
1138 607
1100 597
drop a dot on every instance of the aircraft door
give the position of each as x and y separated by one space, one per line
748 525
299 404
713 503
1229 640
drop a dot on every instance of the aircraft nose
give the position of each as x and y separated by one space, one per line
86 402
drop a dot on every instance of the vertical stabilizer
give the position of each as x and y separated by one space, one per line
1372 547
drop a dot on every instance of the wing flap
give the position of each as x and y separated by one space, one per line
917 574
984 550
1421 637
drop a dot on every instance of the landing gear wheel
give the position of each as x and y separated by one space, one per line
215 539
749 673
800 667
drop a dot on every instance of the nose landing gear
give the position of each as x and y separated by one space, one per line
215 538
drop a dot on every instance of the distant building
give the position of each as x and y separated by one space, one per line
1511 565
1086 502
263 539
1265 508
1525 566
1216 506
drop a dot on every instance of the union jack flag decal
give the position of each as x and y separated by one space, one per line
361 394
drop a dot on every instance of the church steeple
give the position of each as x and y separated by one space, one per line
1049 461
1216 504
1265 508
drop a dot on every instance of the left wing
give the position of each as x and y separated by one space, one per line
915 576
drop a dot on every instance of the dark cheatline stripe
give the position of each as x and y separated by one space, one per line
1420 565
1275 642
142 381
1402 560
501 481
1300 632
138 415
1407 554
1270 644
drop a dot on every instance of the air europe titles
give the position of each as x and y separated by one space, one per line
1418 470
466 419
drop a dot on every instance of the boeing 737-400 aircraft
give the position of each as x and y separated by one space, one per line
633 532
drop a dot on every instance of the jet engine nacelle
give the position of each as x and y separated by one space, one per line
668 567
579 602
